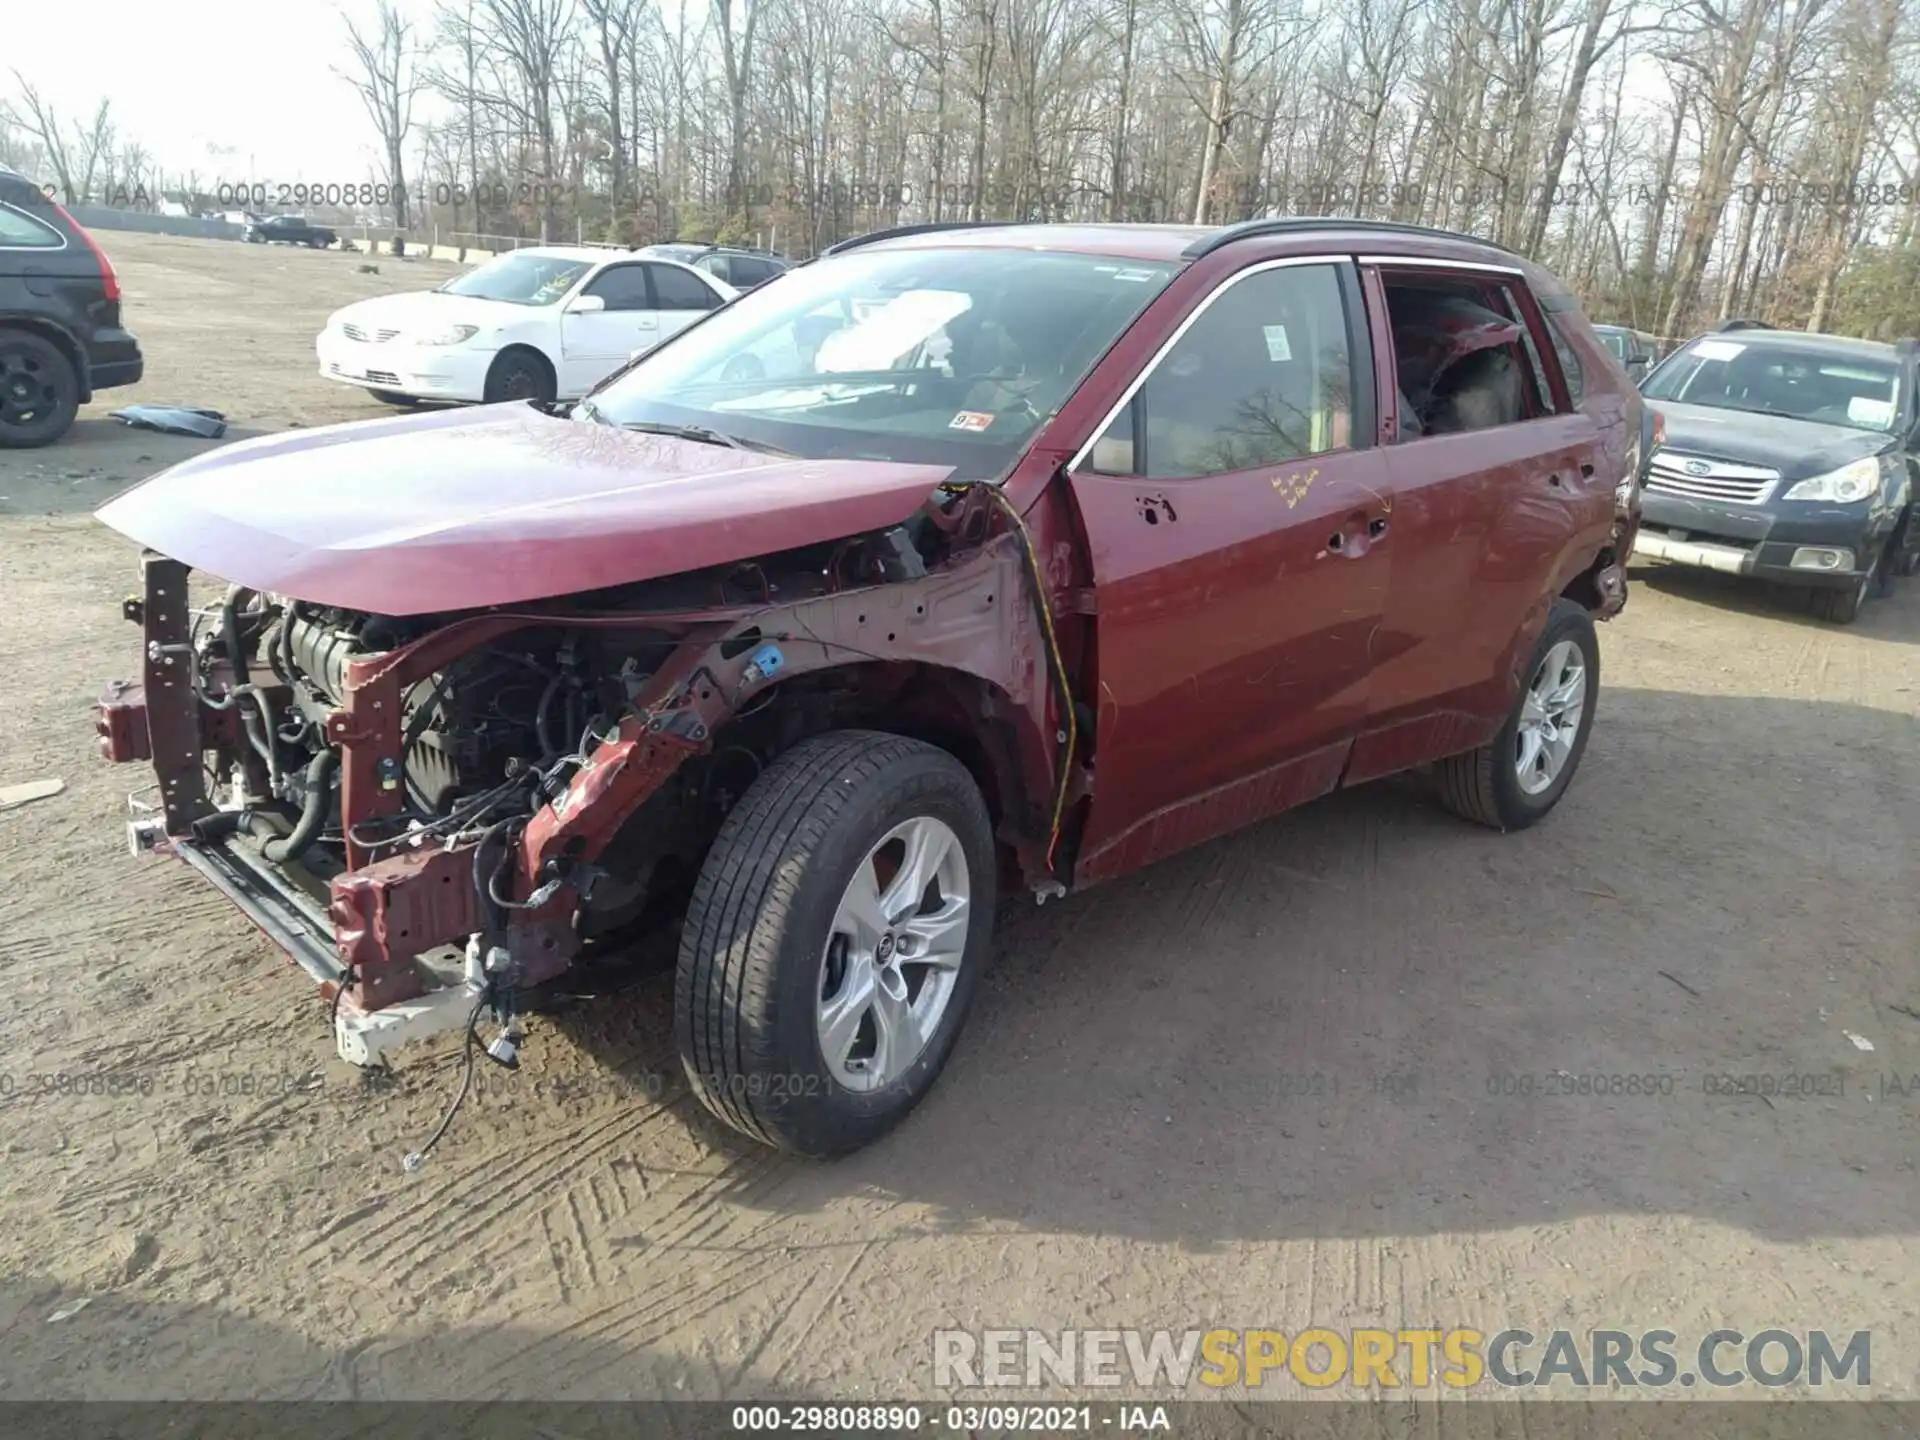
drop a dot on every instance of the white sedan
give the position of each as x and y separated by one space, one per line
538 324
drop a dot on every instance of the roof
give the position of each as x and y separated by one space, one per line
1178 244
1837 347
1127 242
701 247
592 254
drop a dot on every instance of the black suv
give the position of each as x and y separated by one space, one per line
740 266
290 230
1634 349
1789 457
60 334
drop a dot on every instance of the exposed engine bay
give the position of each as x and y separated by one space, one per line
486 740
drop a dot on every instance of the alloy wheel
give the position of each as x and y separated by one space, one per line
893 954
1550 714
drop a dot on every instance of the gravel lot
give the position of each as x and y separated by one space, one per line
1256 1086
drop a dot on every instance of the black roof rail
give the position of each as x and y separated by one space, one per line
932 227
1293 224
1726 325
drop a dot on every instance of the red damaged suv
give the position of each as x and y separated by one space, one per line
964 560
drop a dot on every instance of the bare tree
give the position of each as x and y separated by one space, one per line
386 78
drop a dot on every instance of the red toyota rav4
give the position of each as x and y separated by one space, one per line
961 561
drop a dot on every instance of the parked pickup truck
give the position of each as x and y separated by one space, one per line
290 230
964 560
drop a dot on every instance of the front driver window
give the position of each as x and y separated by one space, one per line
623 287
1264 376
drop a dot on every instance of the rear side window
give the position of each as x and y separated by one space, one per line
1569 360
752 272
21 231
677 289
1463 358
1264 376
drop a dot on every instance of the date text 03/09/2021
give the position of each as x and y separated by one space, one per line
967 1419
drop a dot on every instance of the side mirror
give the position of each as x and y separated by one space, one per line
587 305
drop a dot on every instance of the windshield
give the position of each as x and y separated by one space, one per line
1777 379
520 279
940 357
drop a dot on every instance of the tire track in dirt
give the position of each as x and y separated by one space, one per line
483 1186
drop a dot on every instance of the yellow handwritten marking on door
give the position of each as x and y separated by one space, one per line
1293 488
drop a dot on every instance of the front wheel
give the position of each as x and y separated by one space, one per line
1843 606
834 940
520 374
1518 776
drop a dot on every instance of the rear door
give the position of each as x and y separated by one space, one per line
1485 520
1238 515
680 297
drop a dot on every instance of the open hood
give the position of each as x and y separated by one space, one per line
498 505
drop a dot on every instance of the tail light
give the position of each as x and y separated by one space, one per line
107 276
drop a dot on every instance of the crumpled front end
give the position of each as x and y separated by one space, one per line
434 815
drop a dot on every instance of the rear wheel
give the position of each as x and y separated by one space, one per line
520 374
834 940
39 391
1517 777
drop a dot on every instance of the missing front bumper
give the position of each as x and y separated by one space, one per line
291 920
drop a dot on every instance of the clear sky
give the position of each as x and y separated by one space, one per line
237 89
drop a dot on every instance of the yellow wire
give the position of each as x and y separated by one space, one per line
1059 667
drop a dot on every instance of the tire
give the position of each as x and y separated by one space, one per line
762 959
394 398
1843 607
39 391
520 374
1486 785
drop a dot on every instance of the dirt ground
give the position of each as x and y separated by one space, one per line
1260 1085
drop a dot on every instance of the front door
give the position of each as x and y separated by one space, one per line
1239 516
595 343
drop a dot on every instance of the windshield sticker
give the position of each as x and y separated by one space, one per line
1277 347
1865 410
1718 349
878 340
970 420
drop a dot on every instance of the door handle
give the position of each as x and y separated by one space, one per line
1586 471
1336 542
1554 479
1377 526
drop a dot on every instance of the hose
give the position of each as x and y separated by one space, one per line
313 813
230 633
